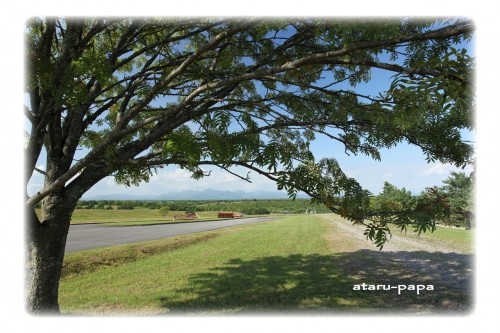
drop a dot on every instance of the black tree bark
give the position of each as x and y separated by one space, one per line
45 245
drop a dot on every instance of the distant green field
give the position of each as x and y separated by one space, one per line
137 216
133 215
146 216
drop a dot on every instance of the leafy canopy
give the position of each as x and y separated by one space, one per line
139 94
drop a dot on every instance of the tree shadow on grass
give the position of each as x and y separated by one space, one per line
325 284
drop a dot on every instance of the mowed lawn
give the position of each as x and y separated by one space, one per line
217 272
460 239
282 265
137 216
81 216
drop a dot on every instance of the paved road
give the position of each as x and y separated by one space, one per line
90 236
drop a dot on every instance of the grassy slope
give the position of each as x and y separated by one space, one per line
178 277
288 264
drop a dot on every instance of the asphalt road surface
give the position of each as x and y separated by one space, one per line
90 236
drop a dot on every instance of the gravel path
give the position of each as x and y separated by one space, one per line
398 242
406 260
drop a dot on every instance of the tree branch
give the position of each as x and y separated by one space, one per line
181 68
40 171
396 68
122 131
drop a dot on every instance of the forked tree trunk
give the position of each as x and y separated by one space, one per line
45 244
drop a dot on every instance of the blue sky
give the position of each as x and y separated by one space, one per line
403 165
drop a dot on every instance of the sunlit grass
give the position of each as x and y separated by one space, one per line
282 265
459 239
137 216
121 278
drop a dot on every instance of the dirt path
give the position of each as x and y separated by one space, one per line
406 260
398 241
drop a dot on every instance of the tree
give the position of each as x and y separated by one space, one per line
459 189
123 97
394 199
402 209
164 211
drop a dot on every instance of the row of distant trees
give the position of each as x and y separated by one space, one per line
453 201
248 207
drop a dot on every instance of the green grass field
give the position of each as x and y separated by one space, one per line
460 239
283 265
137 216
175 278
117 216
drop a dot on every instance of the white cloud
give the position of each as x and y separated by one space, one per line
179 180
438 169
444 169
173 179
414 177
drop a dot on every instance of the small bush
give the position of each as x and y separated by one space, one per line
125 207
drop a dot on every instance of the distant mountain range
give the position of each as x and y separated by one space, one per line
197 195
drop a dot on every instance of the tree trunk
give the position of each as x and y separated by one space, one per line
45 245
